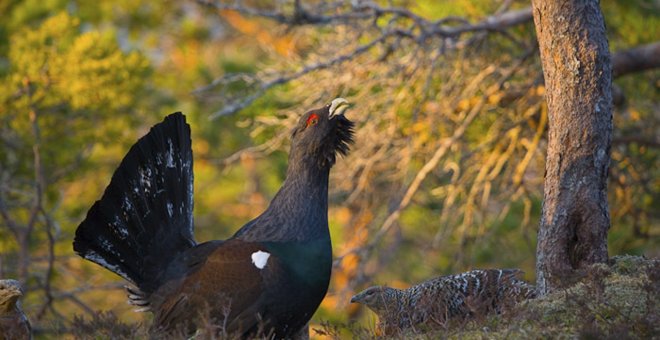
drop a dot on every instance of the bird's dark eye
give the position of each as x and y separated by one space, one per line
312 119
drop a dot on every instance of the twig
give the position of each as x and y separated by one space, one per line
269 146
51 263
420 30
9 222
444 146
243 103
430 165
38 209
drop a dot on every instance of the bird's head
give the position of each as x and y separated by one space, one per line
10 291
323 133
377 298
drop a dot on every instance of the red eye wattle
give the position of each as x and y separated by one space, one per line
312 119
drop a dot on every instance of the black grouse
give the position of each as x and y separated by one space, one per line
267 279
436 302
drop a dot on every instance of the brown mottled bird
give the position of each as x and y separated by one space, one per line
267 279
14 325
436 302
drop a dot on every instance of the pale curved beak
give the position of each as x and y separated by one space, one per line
337 107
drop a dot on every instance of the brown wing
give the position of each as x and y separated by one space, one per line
226 288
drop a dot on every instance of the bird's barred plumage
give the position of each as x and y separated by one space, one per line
14 325
436 302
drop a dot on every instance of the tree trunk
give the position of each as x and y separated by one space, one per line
578 78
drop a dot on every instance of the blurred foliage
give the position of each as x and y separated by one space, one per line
83 80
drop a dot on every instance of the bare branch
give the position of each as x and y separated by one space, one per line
370 10
637 140
89 310
418 30
430 165
244 102
300 16
636 59
38 172
9 221
51 265
495 22
267 147
249 11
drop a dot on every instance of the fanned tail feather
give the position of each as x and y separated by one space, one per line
144 218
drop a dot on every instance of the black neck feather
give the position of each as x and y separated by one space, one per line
299 210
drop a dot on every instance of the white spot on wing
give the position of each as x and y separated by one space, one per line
259 258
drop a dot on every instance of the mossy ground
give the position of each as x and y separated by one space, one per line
618 300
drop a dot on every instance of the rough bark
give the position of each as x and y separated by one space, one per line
578 77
